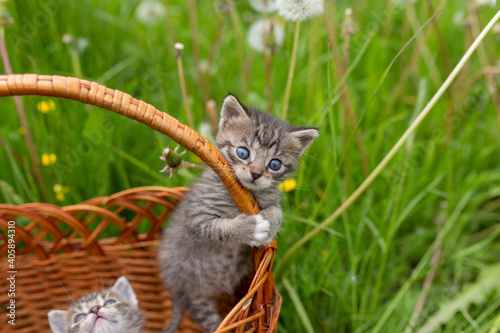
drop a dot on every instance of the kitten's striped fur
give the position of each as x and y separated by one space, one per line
206 250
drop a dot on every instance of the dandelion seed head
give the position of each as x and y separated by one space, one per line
179 46
266 34
264 6
402 3
459 18
67 38
490 3
496 29
82 43
150 12
293 10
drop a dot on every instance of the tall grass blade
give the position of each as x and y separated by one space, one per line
367 182
475 294
301 311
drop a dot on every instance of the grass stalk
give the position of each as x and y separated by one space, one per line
216 43
301 311
24 122
378 169
291 70
179 47
346 99
382 79
426 53
268 59
170 26
241 54
212 114
483 58
195 44
429 278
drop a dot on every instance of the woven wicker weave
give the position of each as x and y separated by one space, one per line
63 245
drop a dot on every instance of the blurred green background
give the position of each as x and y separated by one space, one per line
422 242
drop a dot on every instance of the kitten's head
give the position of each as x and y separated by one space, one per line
261 149
111 310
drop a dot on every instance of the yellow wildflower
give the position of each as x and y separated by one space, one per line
45 106
60 196
60 191
288 185
48 159
21 131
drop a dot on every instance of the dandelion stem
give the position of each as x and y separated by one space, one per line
75 59
212 114
378 169
291 70
182 80
24 122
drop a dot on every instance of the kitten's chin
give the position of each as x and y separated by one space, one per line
103 325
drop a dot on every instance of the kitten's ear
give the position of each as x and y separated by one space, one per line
57 321
231 111
123 288
304 136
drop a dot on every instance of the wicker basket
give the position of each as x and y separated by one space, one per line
61 246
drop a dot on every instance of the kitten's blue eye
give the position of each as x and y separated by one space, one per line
79 317
275 164
242 153
110 302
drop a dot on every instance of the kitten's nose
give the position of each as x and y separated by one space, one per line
255 175
95 309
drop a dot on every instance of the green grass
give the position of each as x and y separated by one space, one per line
364 272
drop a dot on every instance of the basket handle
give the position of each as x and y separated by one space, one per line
117 101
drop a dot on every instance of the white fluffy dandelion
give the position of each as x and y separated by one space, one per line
264 6
293 10
82 44
491 3
150 12
496 30
265 33
402 3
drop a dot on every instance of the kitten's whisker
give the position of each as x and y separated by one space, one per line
296 161
71 298
304 154
102 282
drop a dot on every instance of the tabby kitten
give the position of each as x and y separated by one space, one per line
206 250
112 310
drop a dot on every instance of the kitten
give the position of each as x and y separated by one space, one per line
111 310
206 250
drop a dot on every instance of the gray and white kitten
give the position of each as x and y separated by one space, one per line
111 310
206 250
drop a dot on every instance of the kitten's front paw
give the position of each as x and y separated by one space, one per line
261 235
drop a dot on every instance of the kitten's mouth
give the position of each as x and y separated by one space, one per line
255 184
